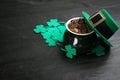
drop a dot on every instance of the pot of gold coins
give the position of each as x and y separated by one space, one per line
79 35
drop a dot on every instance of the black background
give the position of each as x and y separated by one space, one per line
25 55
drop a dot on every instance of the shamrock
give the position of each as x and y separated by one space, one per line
99 50
56 35
52 33
62 29
39 28
50 42
70 51
53 23
46 34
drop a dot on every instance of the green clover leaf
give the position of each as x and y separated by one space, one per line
70 52
52 33
46 35
62 29
50 42
99 50
56 35
39 28
53 22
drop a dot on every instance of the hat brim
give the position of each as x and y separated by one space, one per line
86 17
110 21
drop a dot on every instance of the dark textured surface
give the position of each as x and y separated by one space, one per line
25 56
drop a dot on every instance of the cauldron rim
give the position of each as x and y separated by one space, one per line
74 32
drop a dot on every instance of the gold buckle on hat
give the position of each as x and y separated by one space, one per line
102 19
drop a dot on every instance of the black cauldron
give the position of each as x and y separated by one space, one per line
82 42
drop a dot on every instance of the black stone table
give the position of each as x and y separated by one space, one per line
25 55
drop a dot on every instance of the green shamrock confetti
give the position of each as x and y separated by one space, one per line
53 32
50 42
56 35
40 28
99 51
62 29
53 22
70 52
46 35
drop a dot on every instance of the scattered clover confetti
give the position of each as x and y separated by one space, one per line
70 51
53 32
99 51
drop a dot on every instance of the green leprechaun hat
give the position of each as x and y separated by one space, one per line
102 23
